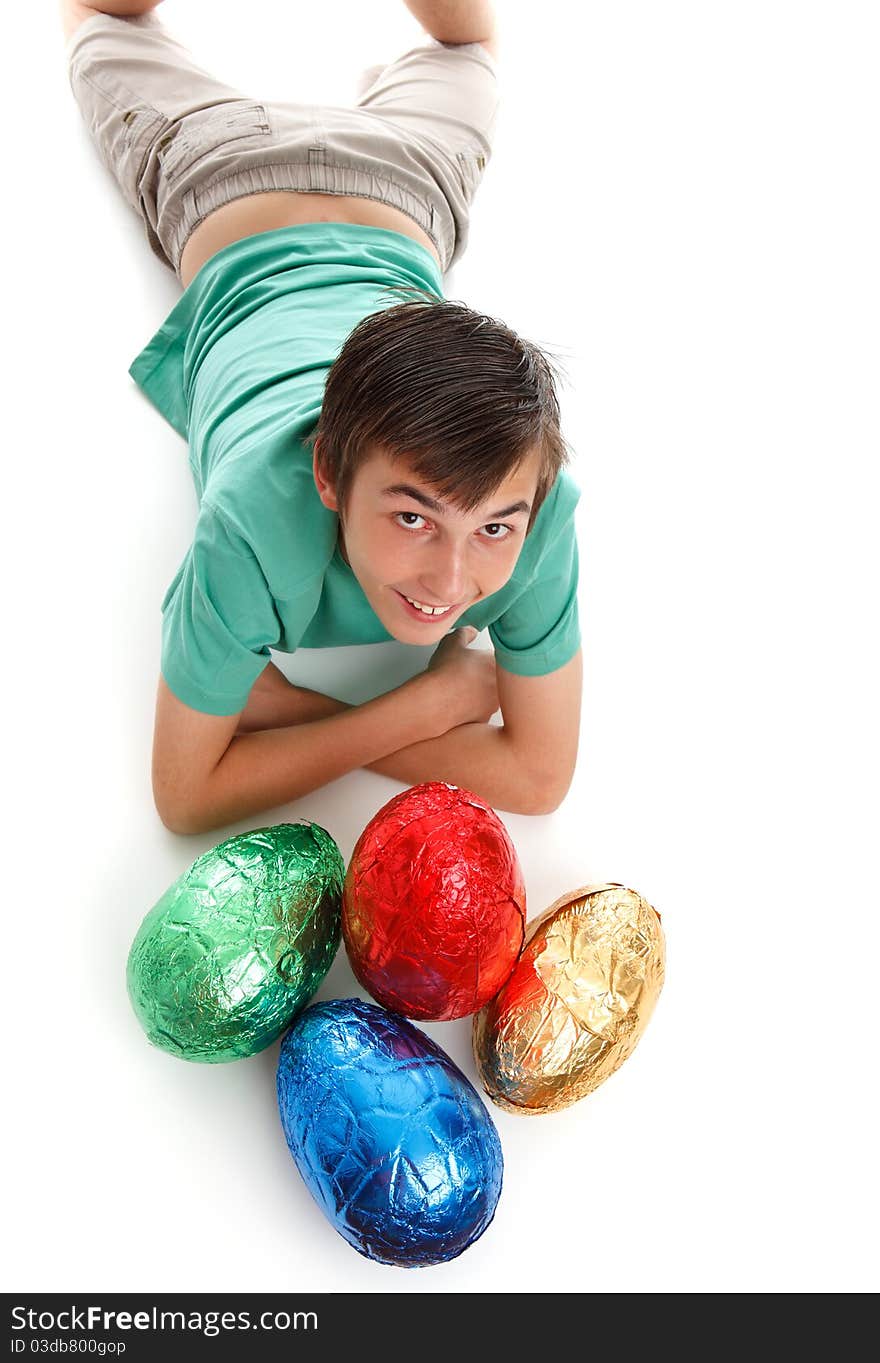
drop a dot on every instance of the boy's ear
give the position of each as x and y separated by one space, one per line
326 487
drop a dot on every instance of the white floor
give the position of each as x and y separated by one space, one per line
683 207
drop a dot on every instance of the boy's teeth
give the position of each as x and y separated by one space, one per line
426 610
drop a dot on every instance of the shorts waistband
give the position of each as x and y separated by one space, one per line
316 176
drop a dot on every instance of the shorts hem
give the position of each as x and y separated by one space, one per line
109 21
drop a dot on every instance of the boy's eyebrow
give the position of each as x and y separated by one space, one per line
404 490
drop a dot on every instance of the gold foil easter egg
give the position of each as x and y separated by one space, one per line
577 1002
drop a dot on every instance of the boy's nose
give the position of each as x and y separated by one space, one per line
447 582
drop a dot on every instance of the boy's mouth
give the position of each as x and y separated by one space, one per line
421 610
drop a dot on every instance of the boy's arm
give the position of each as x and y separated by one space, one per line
526 765
276 703
208 770
206 774
523 767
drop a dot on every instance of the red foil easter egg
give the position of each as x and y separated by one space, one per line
434 904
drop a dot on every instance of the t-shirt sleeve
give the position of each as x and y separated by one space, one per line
218 620
540 631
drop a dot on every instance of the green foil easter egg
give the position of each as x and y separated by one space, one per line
239 943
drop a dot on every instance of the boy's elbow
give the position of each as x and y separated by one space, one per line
547 804
174 819
180 816
538 787
530 799
550 794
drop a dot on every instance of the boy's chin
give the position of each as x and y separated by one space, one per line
425 637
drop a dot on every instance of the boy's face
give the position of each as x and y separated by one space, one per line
401 541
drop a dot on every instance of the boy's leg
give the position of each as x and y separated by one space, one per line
142 97
74 12
180 143
457 21
443 97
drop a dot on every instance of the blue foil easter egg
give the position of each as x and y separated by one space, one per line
393 1142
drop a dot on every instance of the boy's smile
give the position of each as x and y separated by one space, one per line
422 562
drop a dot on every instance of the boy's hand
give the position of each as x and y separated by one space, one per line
469 692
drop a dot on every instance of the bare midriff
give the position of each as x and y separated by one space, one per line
286 208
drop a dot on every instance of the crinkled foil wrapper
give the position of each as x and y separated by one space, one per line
576 1003
238 943
434 903
392 1141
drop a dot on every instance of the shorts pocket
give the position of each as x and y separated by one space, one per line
471 165
198 135
140 127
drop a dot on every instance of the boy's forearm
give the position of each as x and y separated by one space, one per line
479 757
270 767
476 756
275 703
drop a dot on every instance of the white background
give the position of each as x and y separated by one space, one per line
683 206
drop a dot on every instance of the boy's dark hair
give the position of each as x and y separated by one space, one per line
458 394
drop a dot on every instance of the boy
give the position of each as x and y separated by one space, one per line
372 460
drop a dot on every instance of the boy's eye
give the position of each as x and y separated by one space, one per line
495 530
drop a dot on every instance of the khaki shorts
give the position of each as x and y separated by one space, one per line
181 144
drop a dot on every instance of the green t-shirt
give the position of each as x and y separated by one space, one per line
238 369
